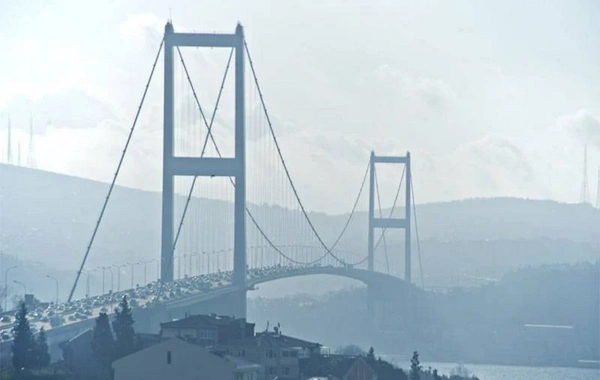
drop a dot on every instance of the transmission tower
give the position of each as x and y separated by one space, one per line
31 159
585 191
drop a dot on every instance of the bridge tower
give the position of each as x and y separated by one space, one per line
378 223
401 223
196 166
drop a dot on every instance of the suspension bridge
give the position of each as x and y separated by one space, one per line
194 160
205 157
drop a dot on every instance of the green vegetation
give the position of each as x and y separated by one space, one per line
41 349
351 349
107 348
486 324
123 328
415 367
28 352
23 354
103 343
40 374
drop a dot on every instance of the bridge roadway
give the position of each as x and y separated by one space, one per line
181 294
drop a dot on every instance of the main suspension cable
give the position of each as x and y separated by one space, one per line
362 185
387 262
414 207
285 168
114 180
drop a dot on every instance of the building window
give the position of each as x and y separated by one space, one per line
285 371
293 353
272 371
285 353
271 354
168 357
242 353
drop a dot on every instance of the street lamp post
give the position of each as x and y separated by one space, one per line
112 278
6 286
56 282
132 266
87 284
103 272
119 275
145 270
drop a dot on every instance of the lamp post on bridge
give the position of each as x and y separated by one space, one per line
184 264
132 273
87 282
56 282
146 262
197 268
112 283
6 286
119 275
207 262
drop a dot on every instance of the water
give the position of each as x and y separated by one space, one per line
502 372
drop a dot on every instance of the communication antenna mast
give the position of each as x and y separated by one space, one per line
31 159
585 192
8 147
598 191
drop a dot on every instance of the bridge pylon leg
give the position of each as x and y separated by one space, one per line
370 308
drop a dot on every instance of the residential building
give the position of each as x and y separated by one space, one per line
337 367
176 359
277 354
78 356
353 369
207 330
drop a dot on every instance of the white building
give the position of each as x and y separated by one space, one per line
176 359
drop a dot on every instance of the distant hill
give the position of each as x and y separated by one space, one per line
49 217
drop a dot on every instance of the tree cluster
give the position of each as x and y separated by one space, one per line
387 371
28 351
109 345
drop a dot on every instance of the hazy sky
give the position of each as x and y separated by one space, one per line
491 99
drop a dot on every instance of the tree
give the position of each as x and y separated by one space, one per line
371 355
23 354
460 371
351 350
103 343
42 355
123 328
436 376
415 367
